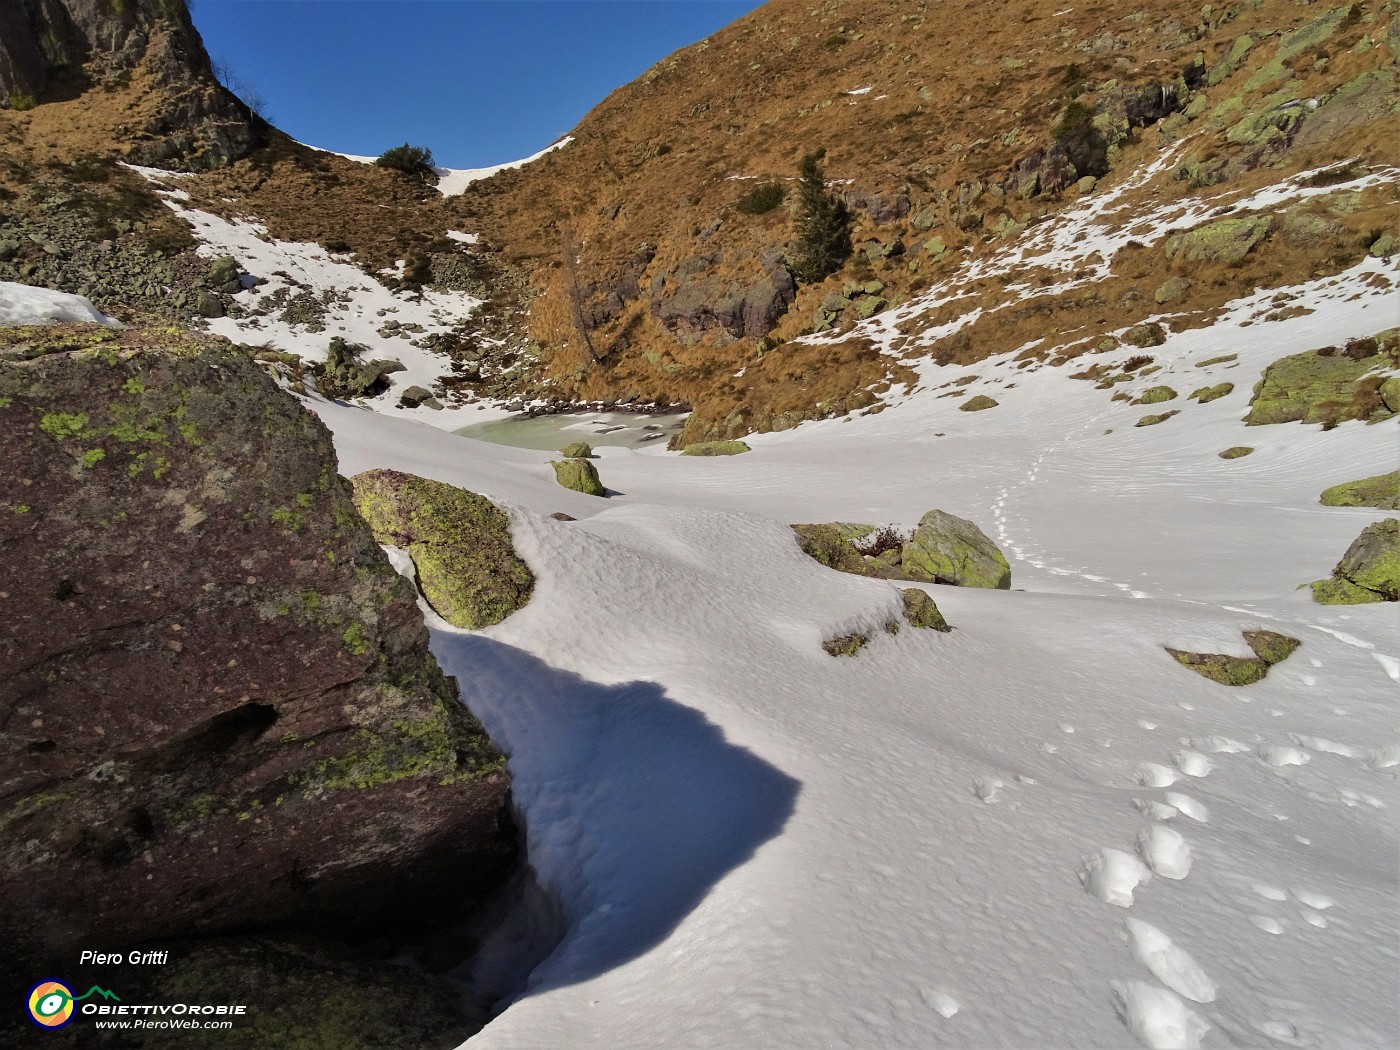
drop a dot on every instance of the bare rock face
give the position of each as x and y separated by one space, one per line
217 703
194 122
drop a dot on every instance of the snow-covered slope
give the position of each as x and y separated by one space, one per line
453 182
1038 830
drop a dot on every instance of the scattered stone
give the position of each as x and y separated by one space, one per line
1222 359
1145 335
1269 648
979 403
1171 290
1369 570
1225 241
414 396
1206 394
559 515
1382 490
577 450
1155 395
831 544
460 545
715 448
580 475
920 610
952 550
1152 421
846 645
223 275
1236 452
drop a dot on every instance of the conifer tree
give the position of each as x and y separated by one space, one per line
823 237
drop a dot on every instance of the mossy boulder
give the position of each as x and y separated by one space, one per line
831 543
1170 290
1206 394
952 550
211 670
459 542
1153 420
1225 241
1269 648
978 403
846 644
715 448
579 475
1155 395
1237 452
1145 335
1369 570
1382 490
920 610
577 450
1328 385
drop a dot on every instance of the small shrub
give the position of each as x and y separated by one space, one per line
21 101
885 538
760 199
414 161
1136 362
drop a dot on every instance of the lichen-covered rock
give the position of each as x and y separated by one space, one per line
1327 386
1382 490
831 544
414 396
1155 395
1153 420
715 448
1269 648
920 610
1369 570
1225 241
952 550
221 708
459 542
846 645
1236 452
1170 290
577 450
1145 335
1206 394
978 403
579 475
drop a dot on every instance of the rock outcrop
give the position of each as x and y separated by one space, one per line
1369 570
220 710
952 550
1269 648
580 475
716 448
459 542
1382 491
191 123
1328 385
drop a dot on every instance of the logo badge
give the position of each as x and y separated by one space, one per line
50 1004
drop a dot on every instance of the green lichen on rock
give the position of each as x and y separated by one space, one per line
979 403
1153 420
1382 490
1222 359
579 475
1327 386
1227 670
1145 335
952 550
459 542
1155 395
577 450
831 544
1206 394
1270 646
1236 452
1170 290
846 645
715 448
1225 241
1369 570
920 610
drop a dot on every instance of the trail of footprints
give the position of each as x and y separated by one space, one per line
1158 1014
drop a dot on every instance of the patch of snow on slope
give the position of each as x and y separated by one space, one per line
25 304
453 182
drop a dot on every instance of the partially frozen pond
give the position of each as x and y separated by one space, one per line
547 433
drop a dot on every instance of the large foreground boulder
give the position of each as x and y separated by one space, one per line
1369 570
459 542
1382 490
949 549
220 709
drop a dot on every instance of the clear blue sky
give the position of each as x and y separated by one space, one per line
477 81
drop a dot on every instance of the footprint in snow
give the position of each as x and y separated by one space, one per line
986 788
1157 1018
1312 918
1154 810
1189 806
1155 775
1267 924
940 1001
1279 756
1112 875
1170 964
1316 901
1192 763
1270 893
1165 851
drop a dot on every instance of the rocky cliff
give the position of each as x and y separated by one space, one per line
183 118
218 707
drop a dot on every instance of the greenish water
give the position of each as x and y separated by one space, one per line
549 433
